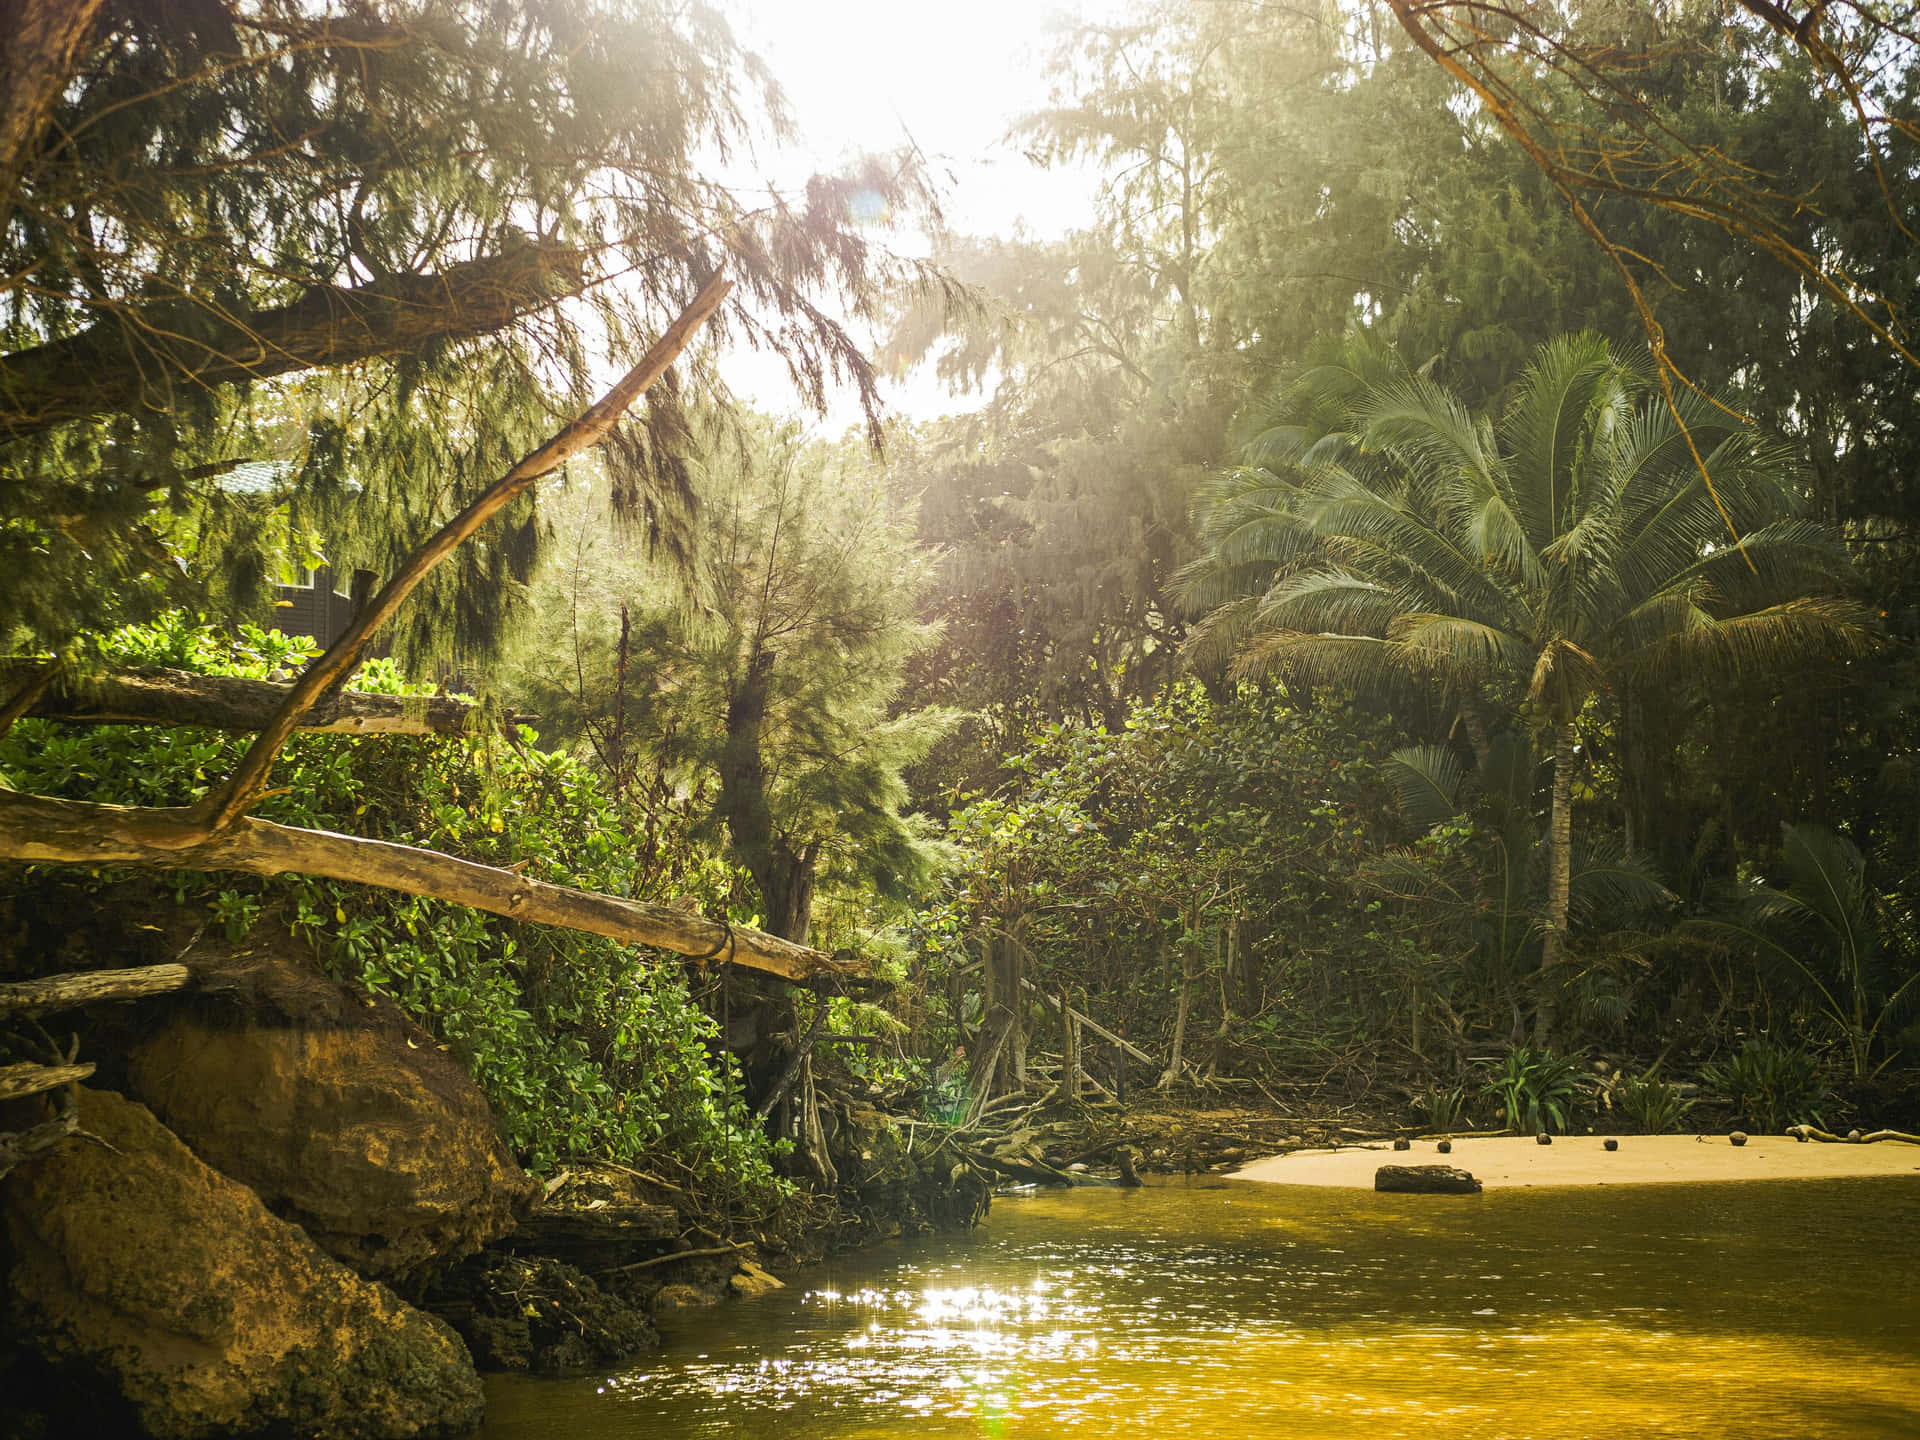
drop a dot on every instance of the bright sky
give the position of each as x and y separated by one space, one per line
950 78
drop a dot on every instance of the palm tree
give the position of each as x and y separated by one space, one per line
1829 937
1594 535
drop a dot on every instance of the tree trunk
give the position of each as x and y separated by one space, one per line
1559 878
1175 1060
40 831
1069 1050
40 44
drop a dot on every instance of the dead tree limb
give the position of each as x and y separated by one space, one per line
91 987
153 695
38 830
18 1081
225 806
795 1062
19 1146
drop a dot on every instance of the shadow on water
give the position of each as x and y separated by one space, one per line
1761 1309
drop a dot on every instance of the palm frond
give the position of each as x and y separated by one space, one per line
1428 781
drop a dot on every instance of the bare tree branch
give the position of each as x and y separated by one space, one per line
225 805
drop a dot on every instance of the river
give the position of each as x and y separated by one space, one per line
1223 1308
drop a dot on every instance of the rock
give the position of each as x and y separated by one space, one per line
1079 1167
1737 1139
1854 1136
750 1280
602 1239
1403 1144
1543 1138
1233 1152
541 1315
1445 1147
344 1117
1424 1180
195 1312
682 1297
1610 1144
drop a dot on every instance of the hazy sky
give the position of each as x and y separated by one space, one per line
948 77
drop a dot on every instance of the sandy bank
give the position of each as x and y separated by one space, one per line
1504 1161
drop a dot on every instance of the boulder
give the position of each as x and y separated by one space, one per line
750 1280
1424 1180
542 1315
682 1297
344 1117
167 1295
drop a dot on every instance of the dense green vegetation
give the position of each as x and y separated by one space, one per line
1333 650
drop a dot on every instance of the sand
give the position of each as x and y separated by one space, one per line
1502 1162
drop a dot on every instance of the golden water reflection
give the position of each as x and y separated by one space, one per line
1737 1310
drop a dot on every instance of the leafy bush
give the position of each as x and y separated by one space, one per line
1535 1088
1653 1105
1771 1086
584 1046
1442 1105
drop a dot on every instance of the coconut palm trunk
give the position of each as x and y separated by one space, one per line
1559 884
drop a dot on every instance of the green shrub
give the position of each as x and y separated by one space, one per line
1442 1105
584 1046
1771 1086
1653 1105
1535 1088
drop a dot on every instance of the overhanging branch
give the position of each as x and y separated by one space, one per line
38 830
154 695
140 356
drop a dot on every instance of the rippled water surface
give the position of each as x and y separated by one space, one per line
1231 1309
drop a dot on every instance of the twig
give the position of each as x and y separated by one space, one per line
638 1265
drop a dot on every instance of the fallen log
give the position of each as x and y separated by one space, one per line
90 987
18 1081
41 831
154 695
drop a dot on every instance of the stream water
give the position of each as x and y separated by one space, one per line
1232 1309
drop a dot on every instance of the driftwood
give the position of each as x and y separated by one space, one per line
1872 1137
19 1146
70 832
90 987
153 695
18 1081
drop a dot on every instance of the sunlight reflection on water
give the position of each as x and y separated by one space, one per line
1757 1310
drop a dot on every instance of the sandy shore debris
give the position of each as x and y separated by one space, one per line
1502 1162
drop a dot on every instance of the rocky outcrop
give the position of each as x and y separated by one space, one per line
601 1239
183 1306
542 1315
345 1117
